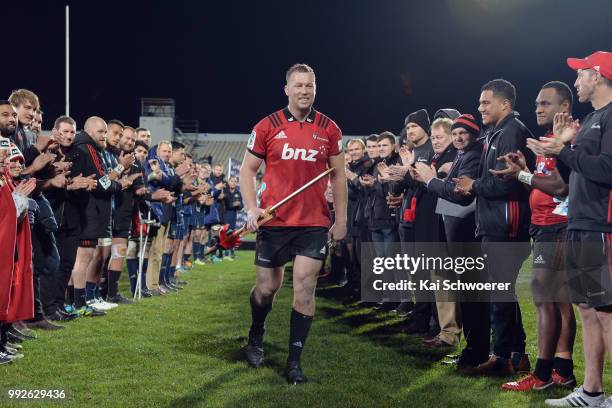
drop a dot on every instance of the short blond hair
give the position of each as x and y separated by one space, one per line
356 141
165 142
299 68
19 96
444 123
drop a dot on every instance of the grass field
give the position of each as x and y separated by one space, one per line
184 350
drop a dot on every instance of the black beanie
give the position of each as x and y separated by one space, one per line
421 118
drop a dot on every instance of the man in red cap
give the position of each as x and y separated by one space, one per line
589 237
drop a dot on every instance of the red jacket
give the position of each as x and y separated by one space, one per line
15 277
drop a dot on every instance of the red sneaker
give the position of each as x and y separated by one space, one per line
567 382
528 383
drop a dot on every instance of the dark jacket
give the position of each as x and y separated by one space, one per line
412 189
233 204
465 164
124 201
590 186
357 196
211 216
379 215
169 181
20 138
220 201
502 206
90 211
428 226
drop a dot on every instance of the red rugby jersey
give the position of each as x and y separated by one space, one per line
542 204
295 152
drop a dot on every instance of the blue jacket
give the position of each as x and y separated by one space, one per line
212 213
169 181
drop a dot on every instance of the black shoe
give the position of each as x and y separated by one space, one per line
119 299
20 335
175 286
154 292
495 366
352 299
254 355
365 305
413 328
14 338
11 351
64 313
146 293
463 364
25 331
5 358
44 324
59 317
294 373
385 306
404 308
432 332
168 288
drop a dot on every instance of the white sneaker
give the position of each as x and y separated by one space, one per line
97 305
607 403
110 305
576 399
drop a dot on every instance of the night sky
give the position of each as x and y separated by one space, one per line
224 62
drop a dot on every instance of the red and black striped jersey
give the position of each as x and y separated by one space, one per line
295 152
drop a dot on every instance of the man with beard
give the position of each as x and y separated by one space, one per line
96 289
90 212
418 128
